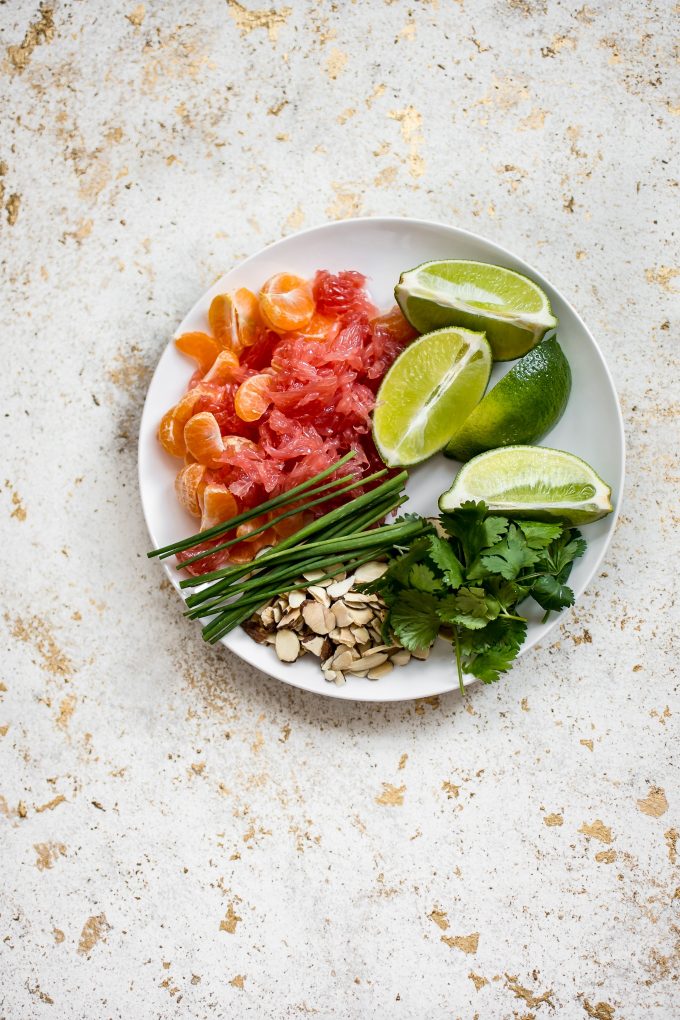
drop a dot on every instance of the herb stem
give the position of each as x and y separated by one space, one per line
459 668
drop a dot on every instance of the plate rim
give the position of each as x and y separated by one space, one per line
342 693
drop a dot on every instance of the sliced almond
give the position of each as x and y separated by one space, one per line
287 645
267 616
371 571
320 594
361 616
421 653
359 598
318 618
343 660
296 599
342 614
315 645
378 672
401 658
256 631
277 613
340 587
361 634
313 575
330 675
288 617
369 661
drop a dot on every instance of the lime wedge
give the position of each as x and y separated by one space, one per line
428 392
521 408
532 482
512 310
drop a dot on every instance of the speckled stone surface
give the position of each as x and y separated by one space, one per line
180 835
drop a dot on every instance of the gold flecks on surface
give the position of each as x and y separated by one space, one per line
466 943
347 203
19 511
450 789
4 730
22 810
94 929
532 1000
48 854
37 632
248 21
663 276
38 32
378 91
66 709
534 121
347 114
238 981
524 704
137 15
655 803
402 761
598 830
586 743
440 918
408 31
410 121
392 796
58 935
600 1011
606 856
671 837
551 820
12 208
478 980
51 804
230 920
386 177
335 63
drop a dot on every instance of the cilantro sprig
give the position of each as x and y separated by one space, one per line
467 582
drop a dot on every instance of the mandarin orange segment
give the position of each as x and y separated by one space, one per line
202 437
218 505
286 302
199 346
171 434
224 369
252 397
235 319
188 486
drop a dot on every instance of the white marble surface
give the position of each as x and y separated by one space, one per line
180 835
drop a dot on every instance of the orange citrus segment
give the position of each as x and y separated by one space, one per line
199 346
202 437
223 369
171 428
286 302
235 319
319 328
218 505
252 397
188 486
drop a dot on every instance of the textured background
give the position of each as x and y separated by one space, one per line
180 835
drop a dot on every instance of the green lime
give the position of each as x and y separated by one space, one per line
531 482
521 408
428 392
512 310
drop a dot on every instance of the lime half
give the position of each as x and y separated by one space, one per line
521 408
532 482
428 392
513 311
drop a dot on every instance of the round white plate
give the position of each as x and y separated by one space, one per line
382 248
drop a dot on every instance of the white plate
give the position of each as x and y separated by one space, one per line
382 249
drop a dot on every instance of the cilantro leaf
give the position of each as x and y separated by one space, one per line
421 577
502 632
538 534
400 569
494 528
471 608
490 664
445 558
510 555
550 594
414 619
562 552
466 523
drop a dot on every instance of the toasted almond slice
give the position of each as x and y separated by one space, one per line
267 616
361 634
363 673
401 658
296 599
330 675
318 618
316 645
361 616
289 617
371 571
340 587
277 613
359 598
378 672
339 679
320 594
344 660
313 575
370 661
287 645
422 653
342 614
